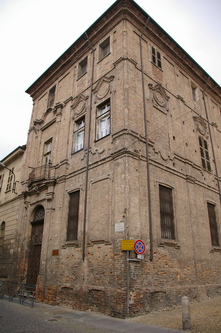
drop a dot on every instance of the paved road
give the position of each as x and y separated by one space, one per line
43 318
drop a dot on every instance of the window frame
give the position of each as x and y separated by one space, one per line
82 67
9 185
104 49
103 114
79 131
204 153
166 208
73 216
156 57
1 181
51 97
214 233
47 152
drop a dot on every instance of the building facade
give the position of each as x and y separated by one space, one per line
124 144
11 201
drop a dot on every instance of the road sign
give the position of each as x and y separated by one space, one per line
127 245
139 247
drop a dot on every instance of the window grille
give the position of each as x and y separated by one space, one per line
166 213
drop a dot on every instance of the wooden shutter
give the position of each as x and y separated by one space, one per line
72 229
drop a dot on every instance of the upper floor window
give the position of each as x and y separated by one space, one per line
51 97
72 227
1 181
103 119
104 48
213 224
79 134
156 57
47 152
82 67
204 152
10 180
166 213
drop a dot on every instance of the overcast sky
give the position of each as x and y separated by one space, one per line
34 33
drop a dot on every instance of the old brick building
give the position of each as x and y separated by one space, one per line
11 202
124 143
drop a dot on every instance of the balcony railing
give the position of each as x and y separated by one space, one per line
40 173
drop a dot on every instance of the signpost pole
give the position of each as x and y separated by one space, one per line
128 285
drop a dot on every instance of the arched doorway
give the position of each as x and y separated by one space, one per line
35 245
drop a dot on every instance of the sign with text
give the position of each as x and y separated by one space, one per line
127 245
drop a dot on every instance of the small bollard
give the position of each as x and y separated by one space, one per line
186 313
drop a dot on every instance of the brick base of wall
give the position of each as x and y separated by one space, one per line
112 303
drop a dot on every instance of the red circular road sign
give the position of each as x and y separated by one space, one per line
139 247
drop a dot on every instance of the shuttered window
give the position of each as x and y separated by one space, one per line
72 229
213 224
166 213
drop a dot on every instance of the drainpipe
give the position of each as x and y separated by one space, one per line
87 152
147 149
211 139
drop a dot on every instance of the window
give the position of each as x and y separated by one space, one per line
166 213
103 120
104 48
2 234
47 152
156 57
213 224
204 154
79 134
51 97
1 181
10 180
82 67
72 228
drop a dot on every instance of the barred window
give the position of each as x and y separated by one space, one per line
166 213
213 224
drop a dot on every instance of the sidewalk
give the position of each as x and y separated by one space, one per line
205 317
100 321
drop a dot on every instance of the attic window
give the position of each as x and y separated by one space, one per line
51 97
82 67
104 48
156 57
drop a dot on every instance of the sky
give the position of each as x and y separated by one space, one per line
34 33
